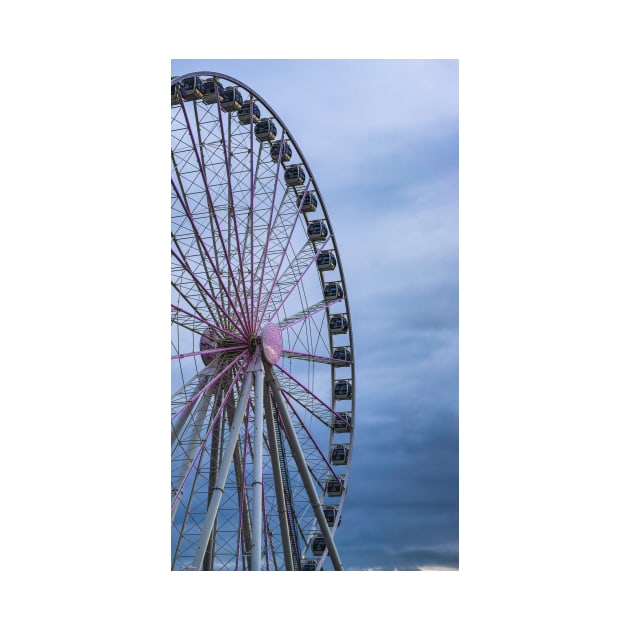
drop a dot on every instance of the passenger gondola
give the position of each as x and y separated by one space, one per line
335 486
339 454
294 175
317 230
326 261
191 88
309 565
333 291
232 100
307 201
174 93
286 150
319 545
343 390
265 130
213 91
343 422
338 324
342 354
248 113
330 512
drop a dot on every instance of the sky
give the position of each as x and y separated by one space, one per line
382 141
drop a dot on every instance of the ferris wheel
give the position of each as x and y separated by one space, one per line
263 387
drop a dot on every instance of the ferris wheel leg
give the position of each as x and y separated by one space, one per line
222 475
258 470
183 417
304 471
277 477
187 460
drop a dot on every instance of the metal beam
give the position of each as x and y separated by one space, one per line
222 475
277 477
304 471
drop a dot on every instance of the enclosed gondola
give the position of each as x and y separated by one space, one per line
317 230
333 291
339 454
307 201
309 565
191 88
265 130
213 91
342 354
330 512
277 147
343 390
174 93
343 422
335 486
338 324
232 100
326 261
294 175
250 112
319 545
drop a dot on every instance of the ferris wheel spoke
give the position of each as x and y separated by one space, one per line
187 320
205 388
203 353
306 313
306 398
199 240
205 290
311 439
192 461
304 470
292 276
183 287
271 222
202 171
232 210
292 354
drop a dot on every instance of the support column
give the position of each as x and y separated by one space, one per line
257 487
222 475
277 477
304 471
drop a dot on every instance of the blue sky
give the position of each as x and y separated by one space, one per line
382 140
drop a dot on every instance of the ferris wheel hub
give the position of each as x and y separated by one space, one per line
272 343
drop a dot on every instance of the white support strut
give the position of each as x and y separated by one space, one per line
305 474
222 475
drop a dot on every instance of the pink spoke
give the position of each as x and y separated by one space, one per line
319 450
206 322
233 214
202 446
292 354
184 204
202 170
200 284
271 220
204 389
309 392
206 352
276 277
297 282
